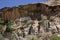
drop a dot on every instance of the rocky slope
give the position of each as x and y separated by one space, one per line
29 29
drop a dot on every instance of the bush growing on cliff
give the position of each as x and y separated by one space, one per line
55 37
10 22
32 38
1 21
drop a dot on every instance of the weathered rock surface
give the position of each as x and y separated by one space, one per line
30 10
33 29
34 21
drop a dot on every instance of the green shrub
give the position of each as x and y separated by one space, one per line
10 22
55 37
1 21
32 39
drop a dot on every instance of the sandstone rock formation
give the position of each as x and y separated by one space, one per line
30 10
34 21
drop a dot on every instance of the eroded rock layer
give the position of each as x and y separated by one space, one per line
31 10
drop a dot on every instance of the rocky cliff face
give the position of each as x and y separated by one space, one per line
52 2
31 10
31 29
46 22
